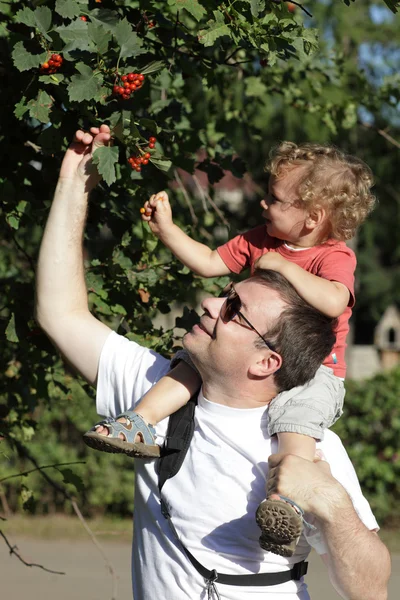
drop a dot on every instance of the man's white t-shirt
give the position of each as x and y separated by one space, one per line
214 496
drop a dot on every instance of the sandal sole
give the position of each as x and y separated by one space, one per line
118 446
279 549
279 522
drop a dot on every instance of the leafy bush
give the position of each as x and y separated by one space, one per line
370 431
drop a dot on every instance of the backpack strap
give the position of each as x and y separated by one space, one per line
177 441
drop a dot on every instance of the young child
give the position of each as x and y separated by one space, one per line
317 198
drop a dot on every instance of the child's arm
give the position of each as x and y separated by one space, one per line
169 394
330 297
196 256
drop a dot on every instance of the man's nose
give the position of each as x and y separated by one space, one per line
212 306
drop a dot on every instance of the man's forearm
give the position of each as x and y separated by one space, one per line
358 562
60 278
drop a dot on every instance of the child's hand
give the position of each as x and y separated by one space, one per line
158 214
270 260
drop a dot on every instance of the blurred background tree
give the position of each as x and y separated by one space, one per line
223 82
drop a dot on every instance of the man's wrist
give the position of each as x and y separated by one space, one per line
329 505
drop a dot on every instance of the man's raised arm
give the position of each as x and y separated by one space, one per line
62 306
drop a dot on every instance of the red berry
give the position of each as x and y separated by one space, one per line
45 65
115 89
124 78
125 96
138 169
57 58
121 90
152 24
83 18
151 146
131 77
145 161
132 86
126 84
152 140
141 77
147 155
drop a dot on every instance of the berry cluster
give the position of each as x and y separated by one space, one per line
129 84
52 65
136 162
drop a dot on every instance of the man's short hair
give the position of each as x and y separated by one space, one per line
302 335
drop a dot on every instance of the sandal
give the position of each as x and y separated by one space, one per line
281 523
134 426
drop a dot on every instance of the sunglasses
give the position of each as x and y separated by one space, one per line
232 308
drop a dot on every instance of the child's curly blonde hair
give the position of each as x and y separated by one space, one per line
338 182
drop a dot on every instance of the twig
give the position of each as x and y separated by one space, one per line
195 220
381 132
13 550
79 462
22 450
109 566
202 194
32 145
214 206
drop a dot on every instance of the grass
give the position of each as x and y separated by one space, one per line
56 527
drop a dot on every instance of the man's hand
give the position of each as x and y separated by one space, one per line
310 484
158 214
77 165
270 260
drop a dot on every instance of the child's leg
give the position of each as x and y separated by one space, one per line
169 394
133 433
298 417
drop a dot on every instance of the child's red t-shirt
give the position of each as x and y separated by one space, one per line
332 260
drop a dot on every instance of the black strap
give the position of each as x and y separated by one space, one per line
257 579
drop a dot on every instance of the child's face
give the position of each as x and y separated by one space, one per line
285 218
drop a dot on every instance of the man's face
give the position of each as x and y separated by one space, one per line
281 209
225 350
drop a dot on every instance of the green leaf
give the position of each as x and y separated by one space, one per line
43 19
54 79
70 477
162 164
76 36
255 88
106 18
216 29
67 8
256 6
192 6
26 16
86 86
99 37
127 40
11 333
20 108
152 67
23 60
106 158
40 107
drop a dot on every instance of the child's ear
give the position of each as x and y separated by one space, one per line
315 217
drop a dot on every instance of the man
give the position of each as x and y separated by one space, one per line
213 497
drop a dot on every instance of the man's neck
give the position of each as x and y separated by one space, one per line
238 397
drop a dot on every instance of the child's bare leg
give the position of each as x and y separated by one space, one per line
279 520
133 433
169 394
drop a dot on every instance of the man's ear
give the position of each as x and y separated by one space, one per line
316 217
267 364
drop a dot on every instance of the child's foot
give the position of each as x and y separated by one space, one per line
128 434
281 525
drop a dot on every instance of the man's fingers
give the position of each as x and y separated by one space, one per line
275 459
101 139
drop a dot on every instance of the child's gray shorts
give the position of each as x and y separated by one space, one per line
309 408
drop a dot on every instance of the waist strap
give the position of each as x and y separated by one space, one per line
256 579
